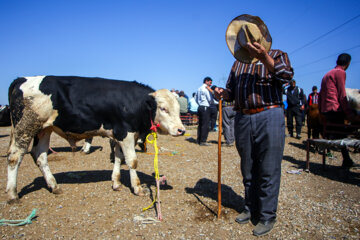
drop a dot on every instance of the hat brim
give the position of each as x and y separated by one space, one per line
232 31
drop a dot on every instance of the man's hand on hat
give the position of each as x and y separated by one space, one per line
256 50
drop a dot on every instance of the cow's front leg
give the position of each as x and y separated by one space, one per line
128 147
39 154
115 177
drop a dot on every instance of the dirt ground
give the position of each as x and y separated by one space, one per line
316 205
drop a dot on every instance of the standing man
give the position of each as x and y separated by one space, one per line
183 106
313 116
255 83
183 103
313 97
333 103
214 105
203 99
193 108
296 99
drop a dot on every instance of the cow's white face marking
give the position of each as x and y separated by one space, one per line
168 113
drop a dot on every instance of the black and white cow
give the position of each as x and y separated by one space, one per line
77 108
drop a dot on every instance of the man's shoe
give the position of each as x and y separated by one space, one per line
298 136
227 144
243 217
263 227
204 144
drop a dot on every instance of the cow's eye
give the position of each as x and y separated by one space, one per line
164 110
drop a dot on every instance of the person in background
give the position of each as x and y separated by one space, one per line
295 100
193 108
333 104
255 84
313 116
174 93
203 99
183 106
285 105
214 109
313 97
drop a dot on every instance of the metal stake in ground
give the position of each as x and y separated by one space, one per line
219 158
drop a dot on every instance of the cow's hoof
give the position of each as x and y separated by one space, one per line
13 201
142 191
57 190
83 152
118 188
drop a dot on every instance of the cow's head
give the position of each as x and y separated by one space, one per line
168 113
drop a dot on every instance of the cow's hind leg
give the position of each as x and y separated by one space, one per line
39 154
19 144
118 157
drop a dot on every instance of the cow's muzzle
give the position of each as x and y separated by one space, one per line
181 132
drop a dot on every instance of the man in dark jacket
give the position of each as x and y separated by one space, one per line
296 100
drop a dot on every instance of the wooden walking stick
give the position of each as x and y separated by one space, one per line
219 158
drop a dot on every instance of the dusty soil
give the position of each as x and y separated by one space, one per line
316 205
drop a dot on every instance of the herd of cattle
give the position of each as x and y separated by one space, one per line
80 108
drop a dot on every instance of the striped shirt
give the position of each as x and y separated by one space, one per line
253 86
313 98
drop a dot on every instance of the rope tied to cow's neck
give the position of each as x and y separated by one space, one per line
20 222
153 128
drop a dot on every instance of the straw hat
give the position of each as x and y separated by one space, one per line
243 29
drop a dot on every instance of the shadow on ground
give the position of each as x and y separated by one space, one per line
69 149
335 173
207 188
83 177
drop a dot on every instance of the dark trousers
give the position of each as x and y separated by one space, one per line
291 113
228 121
260 142
213 117
338 118
203 128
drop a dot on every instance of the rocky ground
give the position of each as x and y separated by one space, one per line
316 205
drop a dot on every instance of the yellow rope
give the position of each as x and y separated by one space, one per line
154 135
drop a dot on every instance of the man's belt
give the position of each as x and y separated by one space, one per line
257 110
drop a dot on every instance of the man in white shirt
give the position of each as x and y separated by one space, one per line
203 99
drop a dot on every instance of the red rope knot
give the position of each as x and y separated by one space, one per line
154 127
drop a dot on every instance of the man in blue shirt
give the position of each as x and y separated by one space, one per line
203 99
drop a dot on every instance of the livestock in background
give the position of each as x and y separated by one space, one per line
314 125
5 116
353 97
314 121
78 108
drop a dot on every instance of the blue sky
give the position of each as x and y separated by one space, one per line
168 44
